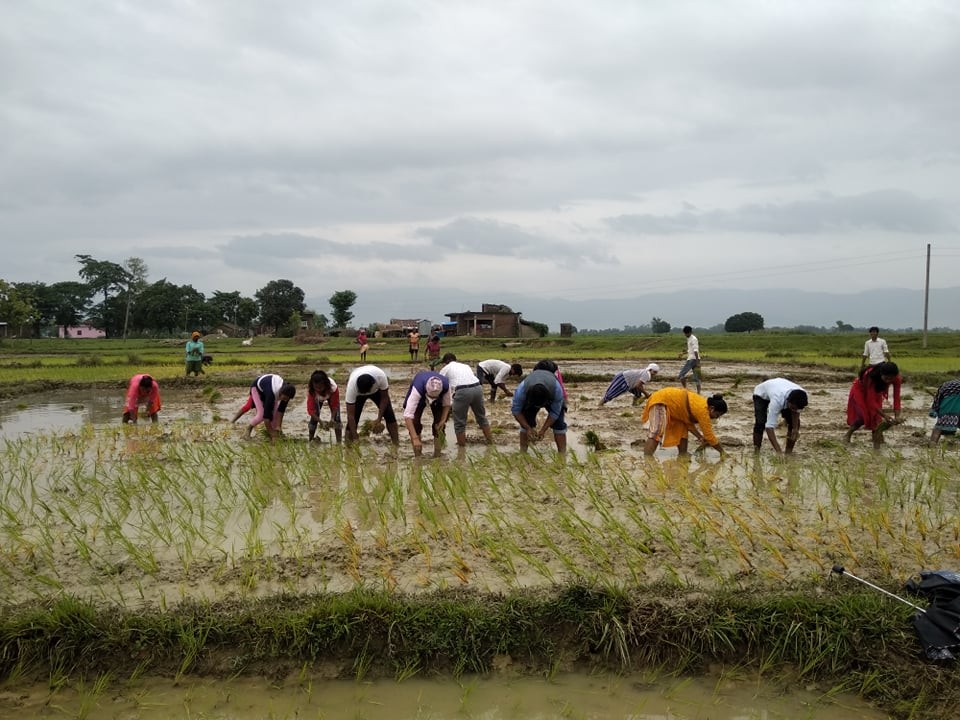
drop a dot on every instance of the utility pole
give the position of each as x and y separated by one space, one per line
926 299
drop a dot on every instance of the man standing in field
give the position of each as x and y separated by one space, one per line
875 350
413 338
194 349
693 358
494 373
777 396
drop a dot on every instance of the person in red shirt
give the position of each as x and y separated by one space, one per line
142 389
865 402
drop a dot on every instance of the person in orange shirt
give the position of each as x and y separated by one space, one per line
673 413
142 389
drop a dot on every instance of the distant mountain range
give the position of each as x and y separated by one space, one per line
890 309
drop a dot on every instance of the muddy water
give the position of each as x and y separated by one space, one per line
490 698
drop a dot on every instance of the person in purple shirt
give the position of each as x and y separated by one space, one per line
427 387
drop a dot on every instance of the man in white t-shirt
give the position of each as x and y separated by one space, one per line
773 399
875 350
467 395
693 359
368 382
494 373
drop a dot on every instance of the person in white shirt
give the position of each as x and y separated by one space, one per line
773 398
693 359
467 395
368 382
875 350
495 373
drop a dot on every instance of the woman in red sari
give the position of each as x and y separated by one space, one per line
865 403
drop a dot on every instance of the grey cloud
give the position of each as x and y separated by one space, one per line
885 210
243 250
499 239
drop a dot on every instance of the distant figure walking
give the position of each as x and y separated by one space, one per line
865 401
946 409
363 343
142 389
630 381
875 350
692 365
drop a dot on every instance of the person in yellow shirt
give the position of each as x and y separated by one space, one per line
671 414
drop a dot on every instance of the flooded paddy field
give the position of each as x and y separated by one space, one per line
492 697
186 518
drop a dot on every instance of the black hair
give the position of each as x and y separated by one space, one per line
516 369
319 381
146 382
449 357
717 403
288 390
797 398
365 383
875 374
548 365
687 329
874 329
539 396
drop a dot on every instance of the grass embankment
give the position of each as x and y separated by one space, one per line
850 643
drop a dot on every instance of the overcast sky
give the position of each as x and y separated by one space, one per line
581 150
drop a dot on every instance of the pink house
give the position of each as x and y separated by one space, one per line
80 331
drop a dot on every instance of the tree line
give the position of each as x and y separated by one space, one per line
119 299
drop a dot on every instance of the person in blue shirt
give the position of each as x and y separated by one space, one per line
540 390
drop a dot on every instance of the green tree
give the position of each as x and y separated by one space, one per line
278 300
659 327
14 309
105 277
744 322
63 303
340 303
136 282
69 300
164 308
293 325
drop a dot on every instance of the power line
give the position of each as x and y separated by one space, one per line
685 281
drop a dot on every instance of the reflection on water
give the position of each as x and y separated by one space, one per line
65 411
58 412
489 698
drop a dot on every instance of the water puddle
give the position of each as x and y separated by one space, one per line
489 698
